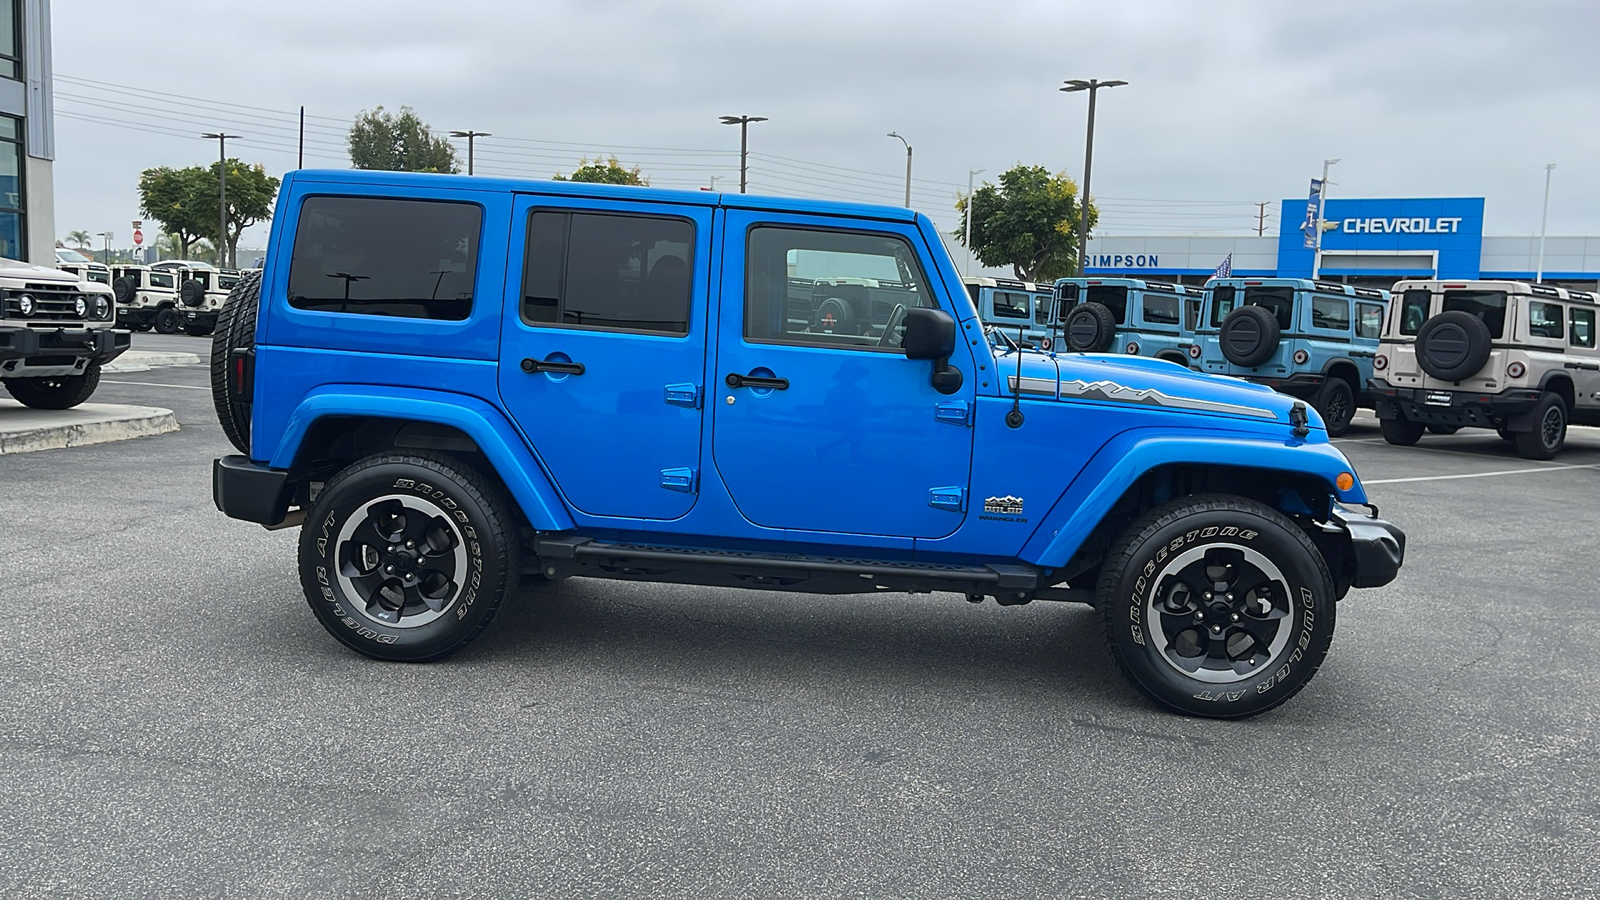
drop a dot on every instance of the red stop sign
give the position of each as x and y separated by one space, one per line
138 237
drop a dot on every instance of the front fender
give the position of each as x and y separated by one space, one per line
1127 457
527 481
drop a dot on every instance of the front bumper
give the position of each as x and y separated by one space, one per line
1376 550
250 491
98 344
1459 409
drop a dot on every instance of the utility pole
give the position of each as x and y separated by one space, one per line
107 235
1544 221
470 135
1261 217
1322 207
908 166
1093 86
744 144
222 187
970 176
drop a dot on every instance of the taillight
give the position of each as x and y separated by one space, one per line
1380 362
1301 357
1516 370
1133 348
1194 351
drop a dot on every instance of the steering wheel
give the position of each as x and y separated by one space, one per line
897 318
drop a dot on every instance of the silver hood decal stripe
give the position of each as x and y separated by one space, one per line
1112 392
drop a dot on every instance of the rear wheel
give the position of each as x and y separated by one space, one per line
169 321
408 557
1549 432
1443 429
1217 606
55 391
1337 404
1401 431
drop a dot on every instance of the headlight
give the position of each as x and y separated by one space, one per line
81 306
102 306
25 305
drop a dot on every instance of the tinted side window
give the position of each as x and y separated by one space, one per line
381 257
1582 334
1160 309
1330 312
1414 310
1369 320
829 288
591 270
1010 305
1041 308
161 279
1221 303
1544 319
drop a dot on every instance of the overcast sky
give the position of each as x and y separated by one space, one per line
1228 102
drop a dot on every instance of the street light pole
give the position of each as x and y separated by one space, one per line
744 144
470 135
1544 221
222 187
107 236
1322 206
908 166
970 175
1093 86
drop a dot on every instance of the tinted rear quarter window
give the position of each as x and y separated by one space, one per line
1545 320
1160 309
378 256
1010 305
1369 320
1582 333
1330 312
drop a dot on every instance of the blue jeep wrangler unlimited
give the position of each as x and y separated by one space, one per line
453 383
1129 315
1311 339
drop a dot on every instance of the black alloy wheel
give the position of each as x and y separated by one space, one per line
1549 432
169 321
1337 405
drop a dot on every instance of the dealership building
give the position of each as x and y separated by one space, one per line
1364 241
27 133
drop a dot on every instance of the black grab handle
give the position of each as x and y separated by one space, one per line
752 381
545 365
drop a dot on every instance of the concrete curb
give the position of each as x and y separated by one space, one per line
24 430
145 360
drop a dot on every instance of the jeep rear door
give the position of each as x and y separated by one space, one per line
603 348
820 423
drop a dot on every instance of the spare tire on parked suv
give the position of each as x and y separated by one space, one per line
1250 335
1090 328
192 292
236 330
123 289
1453 345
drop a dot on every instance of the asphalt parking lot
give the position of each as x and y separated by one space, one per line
174 722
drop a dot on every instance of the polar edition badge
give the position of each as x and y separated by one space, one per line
1003 509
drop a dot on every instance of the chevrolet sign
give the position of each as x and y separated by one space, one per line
1441 225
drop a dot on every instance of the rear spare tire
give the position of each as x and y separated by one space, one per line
235 330
192 292
1453 345
1249 336
1090 328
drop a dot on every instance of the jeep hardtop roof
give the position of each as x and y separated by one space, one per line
435 181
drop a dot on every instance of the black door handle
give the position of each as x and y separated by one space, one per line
736 381
545 365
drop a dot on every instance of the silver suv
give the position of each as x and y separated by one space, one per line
1519 358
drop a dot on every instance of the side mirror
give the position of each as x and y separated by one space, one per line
931 334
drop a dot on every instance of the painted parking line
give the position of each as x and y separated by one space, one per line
1479 474
181 387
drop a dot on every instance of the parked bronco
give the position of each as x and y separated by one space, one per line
147 298
451 383
1310 339
1129 315
1518 358
55 333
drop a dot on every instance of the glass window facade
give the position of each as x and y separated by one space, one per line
13 224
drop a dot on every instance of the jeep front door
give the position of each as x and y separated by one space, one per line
602 355
821 424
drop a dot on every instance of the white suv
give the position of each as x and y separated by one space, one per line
55 333
147 298
1519 358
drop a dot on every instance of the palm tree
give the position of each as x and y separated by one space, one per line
80 237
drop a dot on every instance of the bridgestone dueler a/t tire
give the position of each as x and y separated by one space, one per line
235 329
475 506
1130 577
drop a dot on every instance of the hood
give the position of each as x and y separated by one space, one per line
1147 382
12 268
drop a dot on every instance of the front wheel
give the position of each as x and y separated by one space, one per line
1217 606
408 557
1401 431
1549 432
55 391
1337 405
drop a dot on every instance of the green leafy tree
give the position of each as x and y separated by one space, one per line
398 142
184 201
250 194
1028 222
80 238
607 172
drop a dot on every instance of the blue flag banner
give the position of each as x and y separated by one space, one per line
1226 269
1310 226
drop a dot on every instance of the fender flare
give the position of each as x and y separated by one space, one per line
524 476
1130 455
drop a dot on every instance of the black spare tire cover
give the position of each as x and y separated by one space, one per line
1090 328
123 289
834 316
1453 345
192 292
1250 335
